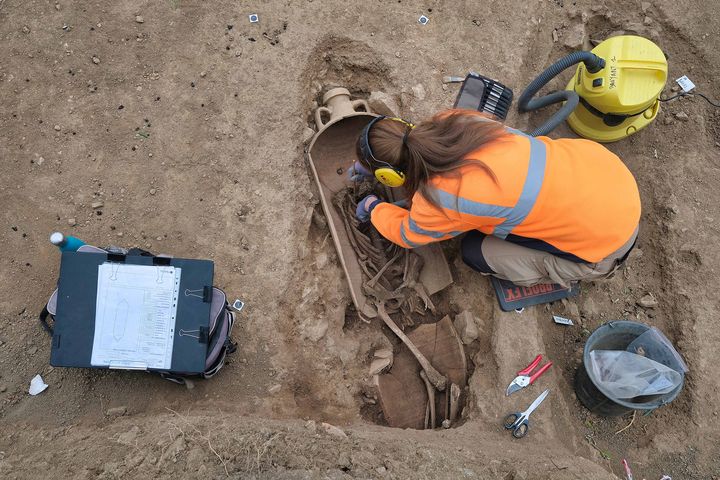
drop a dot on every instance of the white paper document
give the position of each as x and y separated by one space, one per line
135 316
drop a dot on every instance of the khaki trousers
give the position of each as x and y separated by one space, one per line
525 266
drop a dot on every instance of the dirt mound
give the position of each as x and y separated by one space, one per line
203 445
188 128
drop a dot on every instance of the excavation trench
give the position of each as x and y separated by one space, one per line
388 282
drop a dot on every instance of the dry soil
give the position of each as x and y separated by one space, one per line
186 123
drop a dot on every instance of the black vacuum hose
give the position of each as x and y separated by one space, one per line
593 63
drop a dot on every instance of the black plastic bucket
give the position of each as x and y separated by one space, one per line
616 336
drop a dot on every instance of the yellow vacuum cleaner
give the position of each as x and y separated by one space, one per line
614 93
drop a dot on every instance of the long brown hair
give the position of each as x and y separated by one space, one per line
436 146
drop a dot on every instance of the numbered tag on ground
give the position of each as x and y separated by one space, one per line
685 83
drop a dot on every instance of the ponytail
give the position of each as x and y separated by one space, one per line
437 146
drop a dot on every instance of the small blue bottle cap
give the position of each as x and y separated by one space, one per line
57 238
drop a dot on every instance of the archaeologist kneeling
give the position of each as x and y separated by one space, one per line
536 210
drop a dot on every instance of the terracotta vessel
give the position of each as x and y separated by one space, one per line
330 153
336 106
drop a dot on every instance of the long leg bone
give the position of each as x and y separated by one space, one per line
438 380
446 402
431 397
454 401
427 416
382 270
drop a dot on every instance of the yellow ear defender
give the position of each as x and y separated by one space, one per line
390 176
384 172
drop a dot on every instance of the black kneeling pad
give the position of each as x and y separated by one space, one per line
513 297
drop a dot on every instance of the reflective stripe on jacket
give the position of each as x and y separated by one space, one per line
573 194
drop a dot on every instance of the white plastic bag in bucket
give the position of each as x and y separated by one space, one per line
655 345
628 375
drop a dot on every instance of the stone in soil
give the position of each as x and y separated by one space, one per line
321 260
466 327
382 103
343 460
128 438
139 19
308 134
383 353
116 412
574 36
419 91
648 301
95 60
333 430
314 329
682 116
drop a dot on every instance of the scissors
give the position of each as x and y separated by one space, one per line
525 378
519 422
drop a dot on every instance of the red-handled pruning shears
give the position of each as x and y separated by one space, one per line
526 376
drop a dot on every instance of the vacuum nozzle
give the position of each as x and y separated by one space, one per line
594 63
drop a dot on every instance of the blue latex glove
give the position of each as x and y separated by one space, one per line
364 206
358 172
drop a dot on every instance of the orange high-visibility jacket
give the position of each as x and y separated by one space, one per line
572 194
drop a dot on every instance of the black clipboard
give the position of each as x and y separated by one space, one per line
74 328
